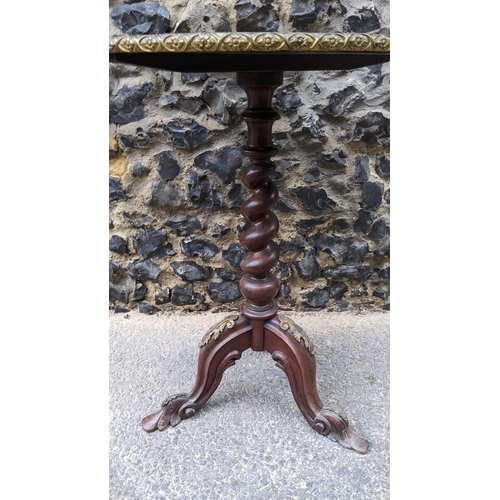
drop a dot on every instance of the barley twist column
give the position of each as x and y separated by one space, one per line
259 286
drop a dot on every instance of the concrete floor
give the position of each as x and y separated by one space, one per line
250 440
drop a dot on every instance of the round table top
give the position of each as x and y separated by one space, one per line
238 51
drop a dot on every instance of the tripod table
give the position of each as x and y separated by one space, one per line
258 59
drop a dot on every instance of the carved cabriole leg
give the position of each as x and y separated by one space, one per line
259 286
259 326
221 346
293 352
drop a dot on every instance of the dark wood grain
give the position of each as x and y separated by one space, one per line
259 326
259 286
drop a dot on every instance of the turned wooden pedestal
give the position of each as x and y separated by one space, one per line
259 325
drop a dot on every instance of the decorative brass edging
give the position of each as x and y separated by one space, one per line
299 334
250 42
216 330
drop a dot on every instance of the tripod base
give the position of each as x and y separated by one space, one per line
293 352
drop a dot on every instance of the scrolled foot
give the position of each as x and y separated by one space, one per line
221 346
293 352
336 427
173 410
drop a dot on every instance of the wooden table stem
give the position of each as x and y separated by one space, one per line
259 326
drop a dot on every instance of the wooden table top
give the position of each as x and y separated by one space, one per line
232 52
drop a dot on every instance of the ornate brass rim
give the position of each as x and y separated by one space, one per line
250 42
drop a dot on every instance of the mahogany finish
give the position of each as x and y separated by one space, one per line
259 326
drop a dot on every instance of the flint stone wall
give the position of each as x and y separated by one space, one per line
175 163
